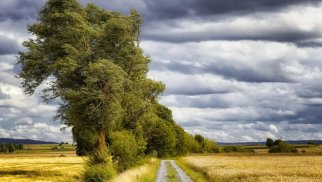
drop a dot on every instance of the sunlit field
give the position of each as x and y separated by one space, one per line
51 162
258 168
63 169
45 168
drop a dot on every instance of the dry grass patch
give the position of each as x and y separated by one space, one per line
258 168
144 173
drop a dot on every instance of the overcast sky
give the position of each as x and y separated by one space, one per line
234 70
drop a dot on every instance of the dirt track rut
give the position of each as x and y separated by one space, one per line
162 172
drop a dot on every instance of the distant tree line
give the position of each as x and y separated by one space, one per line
279 146
9 147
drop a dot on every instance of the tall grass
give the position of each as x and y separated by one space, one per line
143 173
197 176
172 175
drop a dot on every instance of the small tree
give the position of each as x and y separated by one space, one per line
283 147
123 149
11 147
269 142
277 142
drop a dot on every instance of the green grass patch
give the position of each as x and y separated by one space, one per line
171 173
195 175
153 170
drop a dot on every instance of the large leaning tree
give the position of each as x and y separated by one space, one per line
90 59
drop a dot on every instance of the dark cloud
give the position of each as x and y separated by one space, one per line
309 44
170 9
8 45
303 128
268 72
307 115
197 101
212 86
15 10
198 90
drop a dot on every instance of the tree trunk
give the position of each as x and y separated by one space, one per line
101 143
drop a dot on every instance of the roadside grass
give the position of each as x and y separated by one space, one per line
195 175
144 173
172 175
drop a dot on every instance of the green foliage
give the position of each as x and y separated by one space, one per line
85 139
181 147
192 145
209 146
233 149
99 157
123 149
277 142
206 145
200 139
283 147
269 142
161 137
92 61
9 147
99 172
163 113
172 175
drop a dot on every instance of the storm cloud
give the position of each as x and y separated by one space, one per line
234 70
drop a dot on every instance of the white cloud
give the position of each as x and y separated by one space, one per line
228 90
24 121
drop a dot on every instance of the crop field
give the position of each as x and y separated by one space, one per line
59 163
253 168
34 168
42 163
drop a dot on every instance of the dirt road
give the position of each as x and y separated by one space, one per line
162 172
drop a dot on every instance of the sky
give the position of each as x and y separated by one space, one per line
235 71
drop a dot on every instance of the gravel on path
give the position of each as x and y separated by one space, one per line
162 172
182 175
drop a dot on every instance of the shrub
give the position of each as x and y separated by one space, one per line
123 149
208 146
192 145
153 153
99 172
283 147
162 139
99 167
277 142
233 149
269 142
218 149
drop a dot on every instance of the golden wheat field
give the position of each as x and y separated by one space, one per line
44 168
51 168
258 168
